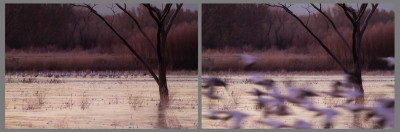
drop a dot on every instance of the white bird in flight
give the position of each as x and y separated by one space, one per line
248 59
237 116
390 61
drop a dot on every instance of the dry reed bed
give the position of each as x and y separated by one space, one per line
213 60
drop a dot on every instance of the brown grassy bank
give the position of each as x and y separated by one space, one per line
270 60
81 60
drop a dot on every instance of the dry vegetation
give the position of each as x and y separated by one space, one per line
79 102
376 86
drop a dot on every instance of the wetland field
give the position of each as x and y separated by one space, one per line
34 100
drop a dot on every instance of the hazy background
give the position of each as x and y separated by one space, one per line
67 37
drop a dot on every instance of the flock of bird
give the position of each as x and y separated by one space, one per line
272 102
83 74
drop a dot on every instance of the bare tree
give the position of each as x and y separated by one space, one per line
359 20
355 17
164 23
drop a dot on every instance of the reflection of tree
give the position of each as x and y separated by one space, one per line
161 119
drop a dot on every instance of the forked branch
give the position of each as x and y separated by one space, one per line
319 9
283 6
138 25
124 42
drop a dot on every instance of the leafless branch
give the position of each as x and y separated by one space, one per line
362 9
309 13
169 24
152 13
333 25
346 12
365 23
112 8
137 24
165 12
124 42
283 6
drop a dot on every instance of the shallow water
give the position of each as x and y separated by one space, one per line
99 103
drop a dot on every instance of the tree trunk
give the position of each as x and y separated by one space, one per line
162 70
357 120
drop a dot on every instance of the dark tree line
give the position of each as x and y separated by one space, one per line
37 25
65 27
260 27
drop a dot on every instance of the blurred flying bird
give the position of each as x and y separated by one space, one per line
257 92
296 95
211 94
386 103
308 104
212 114
267 83
248 60
256 79
267 102
273 123
352 94
336 91
329 115
383 110
211 82
300 124
237 116
352 107
390 61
